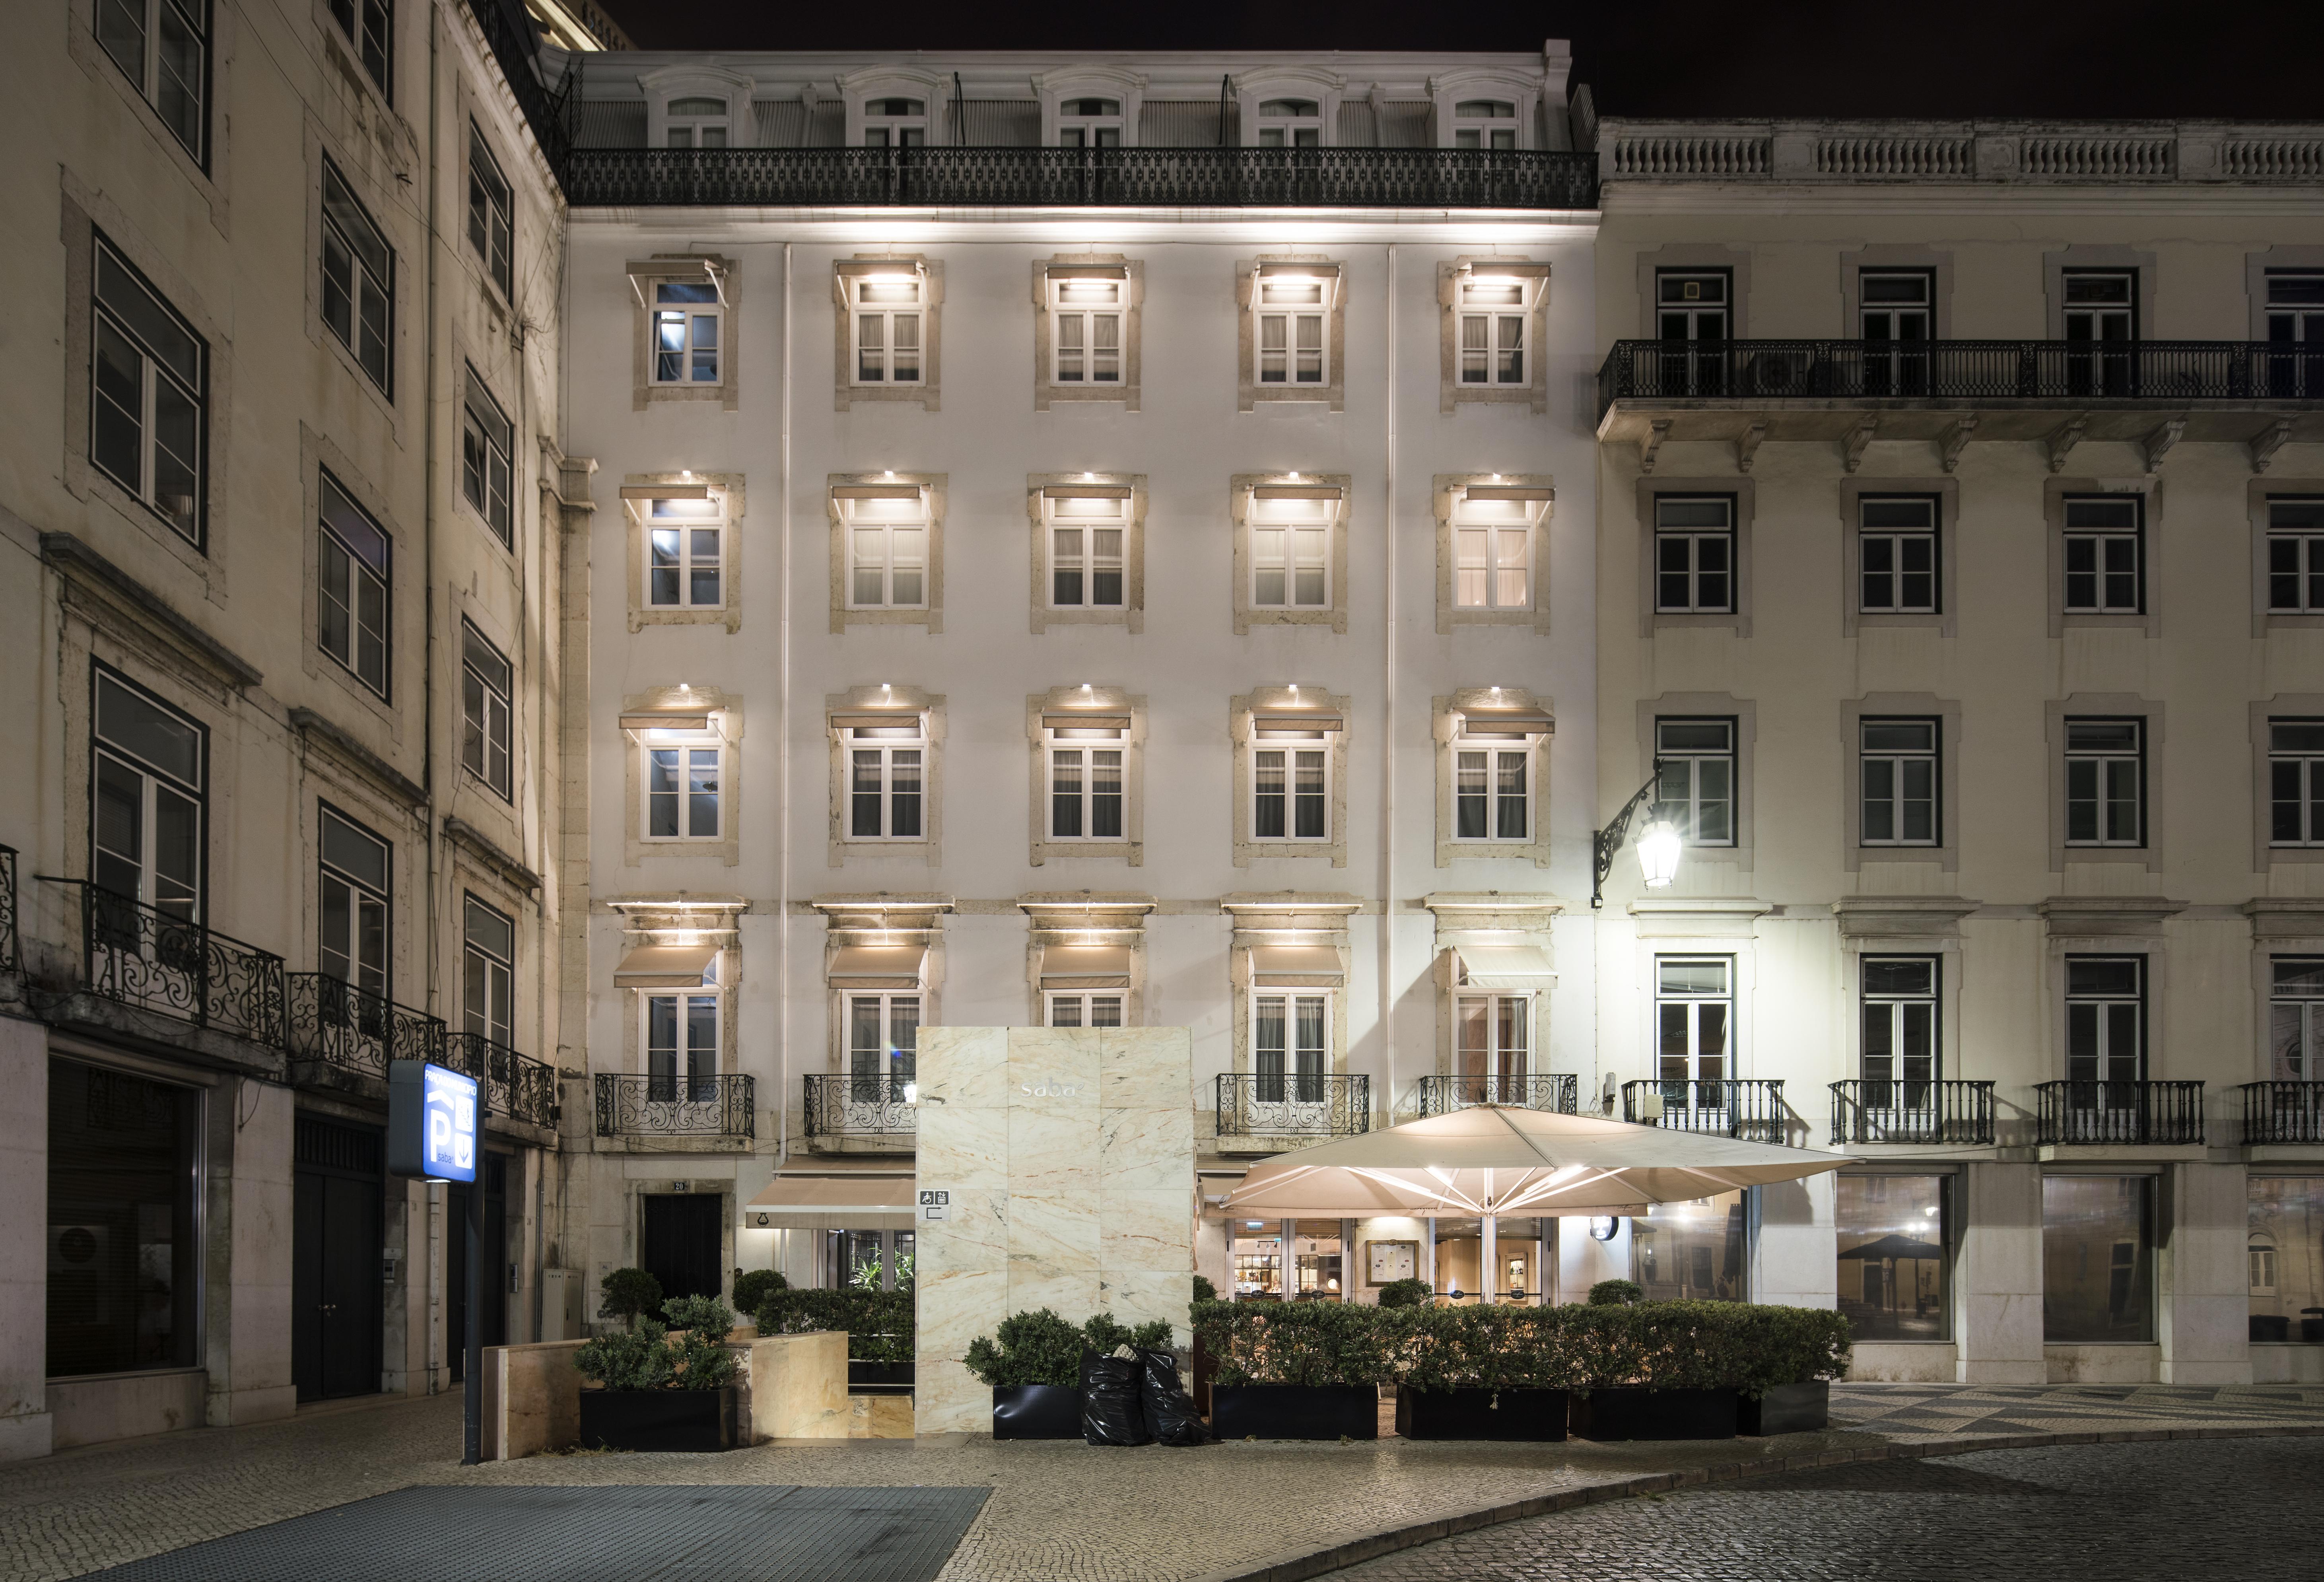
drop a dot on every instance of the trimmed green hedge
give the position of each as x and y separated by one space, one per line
1661 1346
1041 1349
880 1324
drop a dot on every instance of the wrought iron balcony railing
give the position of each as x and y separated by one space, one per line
1293 1104
677 1105
12 950
1958 371
2118 1112
1083 177
871 1108
515 1085
152 960
2283 1112
1546 1090
1750 1109
1913 1112
336 1022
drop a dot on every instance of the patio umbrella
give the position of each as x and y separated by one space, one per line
1894 1246
1498 1158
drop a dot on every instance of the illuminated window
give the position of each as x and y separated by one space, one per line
888 311
1086 325
1496 328
685 555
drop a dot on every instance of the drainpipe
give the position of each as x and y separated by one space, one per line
431 1197
1389 741
783 760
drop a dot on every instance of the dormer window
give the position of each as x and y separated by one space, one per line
1485 124
895 122
1290 124
697 121
1089 124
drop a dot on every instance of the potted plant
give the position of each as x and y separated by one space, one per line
662 1387
1657 1370
754 1288
879 1325
1295 1370
1483 1373
1800 1351
1032 1360
628 1295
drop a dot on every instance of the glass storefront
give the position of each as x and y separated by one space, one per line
2097 1259
1691 1252
1315 1247
1460 1258
1894 1271
2285 1258
1258 1258
123 1252
1301 1259
879 1259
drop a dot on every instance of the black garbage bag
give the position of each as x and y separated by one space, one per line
1110 1411
1170 1414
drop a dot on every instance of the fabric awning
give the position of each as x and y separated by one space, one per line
1296 967
671 719
1297 719
878 966
833 1202
1085 967
665 490
1086 491
1509 492
875 492
1094 720
1515 968
1531 722
885 719
665 967
1297 491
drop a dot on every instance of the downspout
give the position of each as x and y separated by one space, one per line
432 1197
1389 742
783 756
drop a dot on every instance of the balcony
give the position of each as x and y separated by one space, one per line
2282 1112
11 956
2109 1114
1959 1113
351 1030
1551 1090
517 1087
674 1108
848 1113
1257 1109
1751 1110
138 957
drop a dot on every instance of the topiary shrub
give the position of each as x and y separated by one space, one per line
628 1295
756 1286
1027 1348
1102 1333
880 1324
700 1359
1616 1293
1301 1343
637 1358
1204 1291
1406 1293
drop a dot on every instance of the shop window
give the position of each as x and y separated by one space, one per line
2097 1259
871 1260
1693 1252
123 1261
1895 1266
1258 1259
2286 1258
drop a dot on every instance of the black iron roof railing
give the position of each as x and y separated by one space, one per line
152 960
336 1022
1293 1104
1900 1110
2110 1113
1541 1090
517 1087
676 1105
871 1107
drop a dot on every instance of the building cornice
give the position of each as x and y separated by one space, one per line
93 574
342 744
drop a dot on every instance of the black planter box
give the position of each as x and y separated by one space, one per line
657 1420
1295 1411
1628 1413
1787 1408
878 1378
1480 1414
1037 1411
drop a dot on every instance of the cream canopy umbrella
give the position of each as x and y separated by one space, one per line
1496 1159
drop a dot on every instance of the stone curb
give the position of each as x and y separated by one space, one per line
1297 1566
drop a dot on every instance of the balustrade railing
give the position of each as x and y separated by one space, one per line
1752 1109
1898 1111
12 950
515 1085
156 961
2118 1112
2283 1112
342 1025
680 1106
1293 1104
1546 1090
871 1107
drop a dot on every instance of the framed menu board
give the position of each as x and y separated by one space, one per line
1390 1261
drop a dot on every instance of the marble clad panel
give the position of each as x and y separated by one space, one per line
1142 1149
1059 1064
1142 1228
960 1148
969 1068
1138 1296
1147 1069
1072 1295
1052 1153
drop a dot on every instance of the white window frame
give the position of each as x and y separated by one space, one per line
2305 763
1085 1005
183 897
1893 1008
1481 539
1896 333
356 580
363 900
887 298
2107 1025
1293 560
1275 119
894 1063
886 127
1682 798
1076 748
484 967
492 213
1499 1067
370 29
1485 132
683 1050
1496 749
1897 541
1483 358
156 378
1694 538
683 755
1101 298
487 463
2104 768
2295 553
1293 319
853 742
685 123
1077 515
2295 1010
487 703
1297 1072
1694 1000
2099 543
1079 127
688 563
889 563
1896 766
1289 747
192 19
359 276
678 306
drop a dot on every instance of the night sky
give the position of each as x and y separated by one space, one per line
1952 59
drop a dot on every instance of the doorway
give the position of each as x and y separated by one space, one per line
682 1242
337 1211
498 1273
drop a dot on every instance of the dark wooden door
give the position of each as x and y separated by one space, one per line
337 1209
682 1242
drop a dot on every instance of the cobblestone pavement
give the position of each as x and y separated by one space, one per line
1058 1510
2135 1512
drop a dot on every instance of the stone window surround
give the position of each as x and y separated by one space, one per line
1744 713
94 634
693 269
2117 706
883 81
1947 713
1255 87
934 487
1534 392
2057 260
1525 920
2126 925
496 816
1310 918
2054 492
1522 89
1946 947
1445 715
1241 734
1853 618
468 874
1248 391
1705 925
1741 490
648 920
730 488
1442 490
888 919
482 115
406 594
1695 255
2281 706
2281 926
1132 611
844 391
2258 492
694 80
725 711
1052 88
1114 702
470 370
1089 265
324 785
1937 263
1239 489
1066 919
211 178
905 702
343 55
380 208
2255 267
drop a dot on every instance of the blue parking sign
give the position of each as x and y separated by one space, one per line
432 1121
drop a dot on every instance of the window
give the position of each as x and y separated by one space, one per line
2097 1259
124 1250
888 311
895 122
491 211
2295 775
681 792
883 1041
352 624
1897 764
1899 1009
1492 1047
1089 124
2105 1028
2101 323
681 1038
686 332
1695 1009
1290 124
686 542
1693 1251
1492 548
2295 555
1085 328
2105 574
696 122
2296 1019
1696 765
1893 319
1290 1044
354 906
148 826
487 446
1087 798
2295 333
1075 1009
886 550
1492 794
368 24
1291 548
1695 554
2286 1218
486 695
1290 785
163 46
885 767
1484 123
1894 1258
358 280
1085 550
488 957
2106 782
1293 342
1897 555
1496 328
147 396
1693 306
